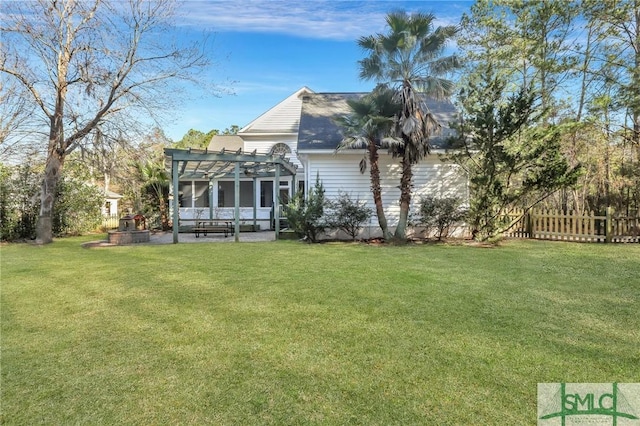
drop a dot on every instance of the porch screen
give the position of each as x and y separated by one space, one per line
184 194
226 194
201 194
266 193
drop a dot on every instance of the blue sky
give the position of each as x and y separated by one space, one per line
266 50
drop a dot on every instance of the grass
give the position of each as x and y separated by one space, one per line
287 333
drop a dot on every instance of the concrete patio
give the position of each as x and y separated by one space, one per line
189 237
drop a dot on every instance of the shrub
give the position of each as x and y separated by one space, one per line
19 202
306 216
76 210
349 215
77 207
441 215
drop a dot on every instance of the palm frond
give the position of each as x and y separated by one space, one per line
439 88
373 118
368 42
395 146
421 24
371 68
352 142
360 107
363 165
397 21
444 65
435 43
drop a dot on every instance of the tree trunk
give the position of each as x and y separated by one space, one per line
405 199
52 171
56 156
635 110
377 191
164 216
44 229
107 182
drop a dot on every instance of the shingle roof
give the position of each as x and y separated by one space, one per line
228 142
318 129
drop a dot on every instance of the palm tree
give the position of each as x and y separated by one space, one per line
371 126
156 179
409 59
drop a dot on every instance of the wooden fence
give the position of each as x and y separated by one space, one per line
572 226
110 221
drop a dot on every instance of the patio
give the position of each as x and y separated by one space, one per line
190 237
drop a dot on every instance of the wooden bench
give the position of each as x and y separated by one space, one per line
205 227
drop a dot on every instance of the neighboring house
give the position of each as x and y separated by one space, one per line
110 206
303 130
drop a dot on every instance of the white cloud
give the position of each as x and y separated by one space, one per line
335 20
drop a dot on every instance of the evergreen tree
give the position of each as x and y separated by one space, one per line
511 160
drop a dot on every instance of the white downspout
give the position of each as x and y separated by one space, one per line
306 163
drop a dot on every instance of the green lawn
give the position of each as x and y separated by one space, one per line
288 333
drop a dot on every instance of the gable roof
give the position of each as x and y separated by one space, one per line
319 130
228 142
282 118
112 195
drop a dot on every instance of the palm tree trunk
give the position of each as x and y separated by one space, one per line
405 199
377 191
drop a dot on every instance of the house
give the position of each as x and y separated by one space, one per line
273 134
110 206
301 130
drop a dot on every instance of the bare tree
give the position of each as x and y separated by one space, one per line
15 116
92 63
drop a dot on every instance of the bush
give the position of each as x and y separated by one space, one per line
441 215
349 215
306 217
19 202
77 207
76 210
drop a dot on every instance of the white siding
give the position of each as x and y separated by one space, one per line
341 173
278 125
282 118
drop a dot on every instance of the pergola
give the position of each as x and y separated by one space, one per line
203 164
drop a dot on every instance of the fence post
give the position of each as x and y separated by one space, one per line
608 225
